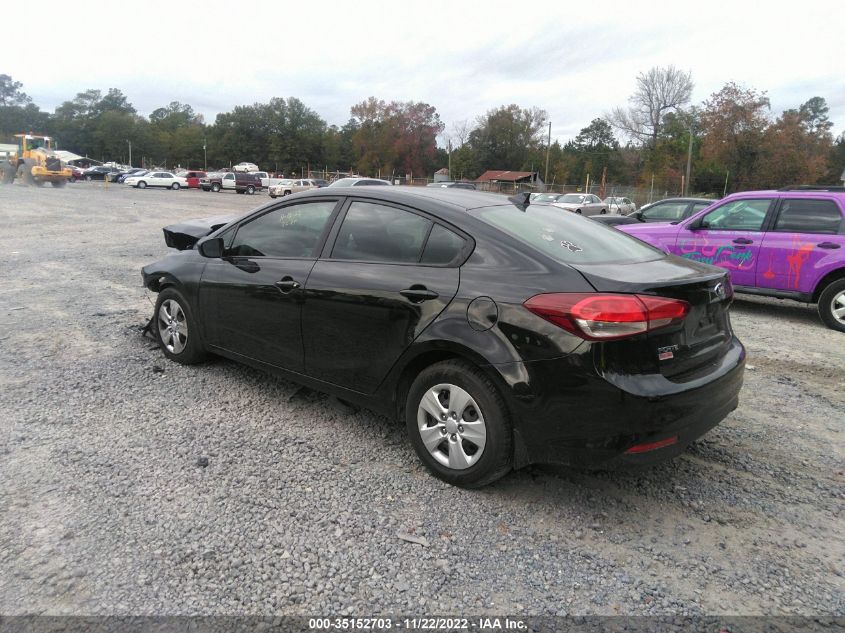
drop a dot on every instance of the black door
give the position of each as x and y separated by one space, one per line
380 286
252 298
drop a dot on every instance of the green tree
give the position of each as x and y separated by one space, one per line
506 137
11 93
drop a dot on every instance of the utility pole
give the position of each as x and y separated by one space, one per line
689 161
204 155
548 149
130 152
449 150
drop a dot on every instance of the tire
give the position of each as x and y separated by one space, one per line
176 330
141 184
25 174
832 305
272 195
466 456
58 183
88 178
175 186
250 190
578 211
7 173
215 187
286 193
603 211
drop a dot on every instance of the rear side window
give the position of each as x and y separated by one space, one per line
567 237
443 246
377 233
809 216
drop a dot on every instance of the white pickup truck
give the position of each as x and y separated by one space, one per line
266 181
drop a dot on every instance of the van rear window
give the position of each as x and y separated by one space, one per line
567 237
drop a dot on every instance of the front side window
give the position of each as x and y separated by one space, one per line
377 233
291 231
229 177
738 215
809 216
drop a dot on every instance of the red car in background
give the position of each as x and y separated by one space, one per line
193 178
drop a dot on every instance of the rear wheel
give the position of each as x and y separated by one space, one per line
7 173
250 189
176 329
175 186
832 305
578 211
603 211
141 185
458 424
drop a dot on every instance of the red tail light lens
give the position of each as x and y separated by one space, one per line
607 317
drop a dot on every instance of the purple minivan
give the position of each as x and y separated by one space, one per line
788 243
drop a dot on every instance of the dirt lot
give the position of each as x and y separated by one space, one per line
106 510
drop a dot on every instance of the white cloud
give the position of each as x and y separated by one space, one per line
464 58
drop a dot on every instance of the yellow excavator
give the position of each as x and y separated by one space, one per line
35 163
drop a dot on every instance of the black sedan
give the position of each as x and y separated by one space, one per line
99 173
668 210
500 333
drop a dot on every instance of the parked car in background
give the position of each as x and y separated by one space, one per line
266 180
245 167
546 198
788 243
165 179
288 186
500 334
446 184
193 178
76 173
239 182
619 206
581 203
99 173
668 210
124 174
359 182
320 182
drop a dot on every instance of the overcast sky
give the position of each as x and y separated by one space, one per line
461 57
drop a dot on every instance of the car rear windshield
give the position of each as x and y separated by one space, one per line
566 237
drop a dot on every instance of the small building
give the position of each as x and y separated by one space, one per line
7 150
506 180
441 175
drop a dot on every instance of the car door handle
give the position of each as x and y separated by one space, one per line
743 240
287 284
828 245
418 294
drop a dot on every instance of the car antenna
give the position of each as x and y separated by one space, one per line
521 200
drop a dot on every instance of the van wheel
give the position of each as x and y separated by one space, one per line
458 424
832 305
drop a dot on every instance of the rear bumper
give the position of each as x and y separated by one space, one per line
571 415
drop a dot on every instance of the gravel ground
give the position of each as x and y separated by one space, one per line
133 485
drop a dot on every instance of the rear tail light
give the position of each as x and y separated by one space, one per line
652 446
607 317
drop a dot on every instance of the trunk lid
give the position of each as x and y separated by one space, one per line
682 352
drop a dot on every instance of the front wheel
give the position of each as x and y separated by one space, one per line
250 190
175 186
832 305
578 211
458 424
215 187
603 211
176 329
141 185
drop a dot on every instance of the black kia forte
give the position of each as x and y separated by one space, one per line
500 333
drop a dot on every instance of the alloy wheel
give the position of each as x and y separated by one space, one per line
172 326
451 426
837 307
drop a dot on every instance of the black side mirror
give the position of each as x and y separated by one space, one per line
212 248
639 216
